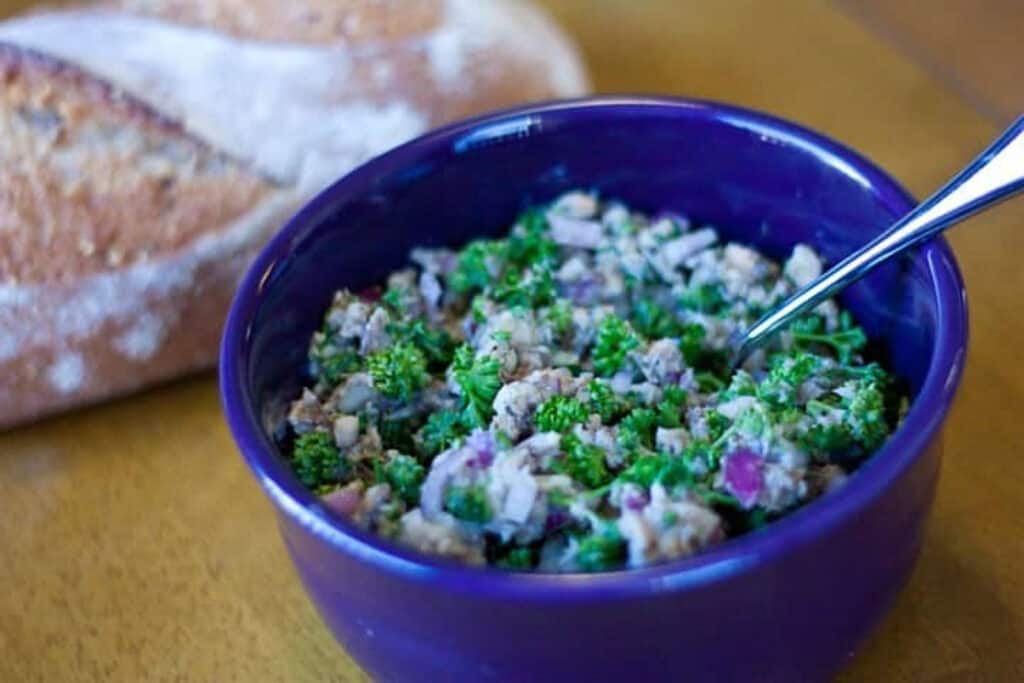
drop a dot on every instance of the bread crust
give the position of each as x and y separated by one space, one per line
124 228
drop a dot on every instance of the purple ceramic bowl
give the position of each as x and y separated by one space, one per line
790 602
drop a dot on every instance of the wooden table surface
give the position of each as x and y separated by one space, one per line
134 545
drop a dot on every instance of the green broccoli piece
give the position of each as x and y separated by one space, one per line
654 321
636 430
468 503
696 352
866 413
643 470
559 413
615 339
517 559
559 316
651 468
601 551
404 475
317 461
717 425
478 379
529 245
718 498
477 265
825 439
793 368
707 298
741 384
533 289
603 400
332 365
395 299
786 372
845 341
670 409
398 371
443 430
436 345
396 433
863 423
703 451
478 308
583 462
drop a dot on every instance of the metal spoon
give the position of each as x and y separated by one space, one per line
995 175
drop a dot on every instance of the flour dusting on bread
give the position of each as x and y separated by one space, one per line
154 145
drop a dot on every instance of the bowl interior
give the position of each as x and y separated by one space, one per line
758 180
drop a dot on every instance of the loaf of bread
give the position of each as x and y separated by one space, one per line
149 147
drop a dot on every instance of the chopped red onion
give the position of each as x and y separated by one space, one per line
343 501
741 470
483 446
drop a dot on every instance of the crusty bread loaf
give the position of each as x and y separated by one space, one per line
149 147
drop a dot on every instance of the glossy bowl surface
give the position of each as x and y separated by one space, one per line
787 603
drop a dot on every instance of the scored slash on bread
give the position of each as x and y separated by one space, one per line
132 198
121 235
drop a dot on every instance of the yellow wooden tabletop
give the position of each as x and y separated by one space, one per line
135 546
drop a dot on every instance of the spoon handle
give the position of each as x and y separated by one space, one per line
995 175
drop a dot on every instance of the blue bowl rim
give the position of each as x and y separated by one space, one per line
922 424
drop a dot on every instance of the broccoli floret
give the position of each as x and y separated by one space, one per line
636 429
794 368
436 345
468 503
671 407
529 244
330 363
533 289
654 321
787 372
863 419
477 265
559 316
866 413
517 559
404 475
398 371
615 339
825 439
845 341
650 468
717 424
583 462
601 551
696 352
702 451
478 379
396 300
478 308
317 461
603 400
741 384
643 470
559 413
707 298
397 433
718 498
442 431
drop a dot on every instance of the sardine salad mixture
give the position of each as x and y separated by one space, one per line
559 400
